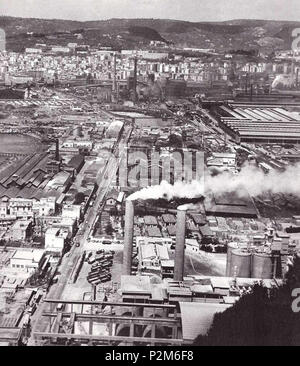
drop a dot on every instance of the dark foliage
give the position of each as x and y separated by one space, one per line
79 198
146 32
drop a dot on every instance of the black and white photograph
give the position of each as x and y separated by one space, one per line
149 176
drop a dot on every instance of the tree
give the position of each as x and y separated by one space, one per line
79 198
109 229
175 140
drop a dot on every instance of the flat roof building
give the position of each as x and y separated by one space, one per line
27 260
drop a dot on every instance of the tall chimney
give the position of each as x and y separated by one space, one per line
57 150
180 243
115 74
128 237
135 78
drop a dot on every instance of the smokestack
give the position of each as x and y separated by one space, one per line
135 78
115 74
57 150
180 242
128 237
246 85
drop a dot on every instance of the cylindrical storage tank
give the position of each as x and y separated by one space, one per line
128 238
262 266
230 248
240 264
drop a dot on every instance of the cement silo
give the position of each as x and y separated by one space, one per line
262 265
240 263
230 248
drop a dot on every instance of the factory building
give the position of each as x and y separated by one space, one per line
258 124
72 211
45 206
114 129
256 261
154 258
231 205
222 160
163 313
75 164
27 260
55 240
21 230
153 254
32 179
21 208
3 207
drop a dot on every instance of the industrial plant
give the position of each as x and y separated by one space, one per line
149 178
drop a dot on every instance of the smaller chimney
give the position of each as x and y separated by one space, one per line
115 74
135 78
180 243
128 237
57 150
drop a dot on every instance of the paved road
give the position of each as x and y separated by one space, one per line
68 263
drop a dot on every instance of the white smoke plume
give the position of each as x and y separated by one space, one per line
284 80
169 191
250 179
256 182
190 207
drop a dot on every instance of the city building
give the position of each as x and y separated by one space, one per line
55 240
27 260
21 230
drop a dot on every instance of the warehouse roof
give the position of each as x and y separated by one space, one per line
171 230
150 220
230 204
154 231
169 218
33 255
76 161
135 284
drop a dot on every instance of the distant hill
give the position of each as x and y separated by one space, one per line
236 34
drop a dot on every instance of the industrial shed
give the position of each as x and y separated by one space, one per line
231 205
76 163
150 220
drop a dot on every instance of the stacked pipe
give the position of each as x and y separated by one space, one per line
100 270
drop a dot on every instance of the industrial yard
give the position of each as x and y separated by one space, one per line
148 181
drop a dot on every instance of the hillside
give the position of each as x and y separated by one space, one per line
236 34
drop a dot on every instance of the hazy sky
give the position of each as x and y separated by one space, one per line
193 10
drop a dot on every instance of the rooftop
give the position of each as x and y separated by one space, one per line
136 284
33 255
